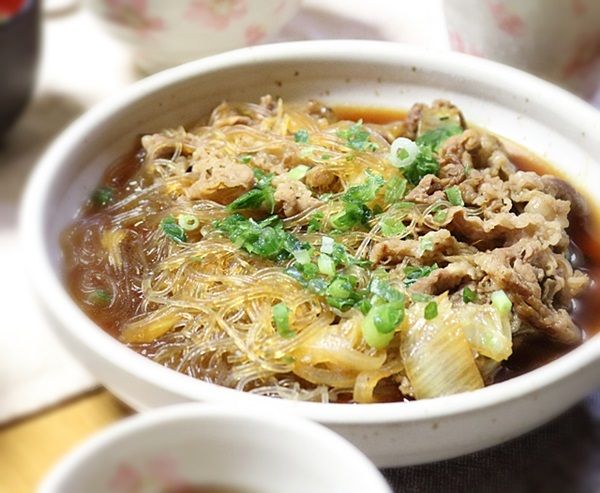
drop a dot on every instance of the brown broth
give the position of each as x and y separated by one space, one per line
528 353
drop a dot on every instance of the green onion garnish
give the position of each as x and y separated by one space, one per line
188 222
357 137
315 221
413 273
340 288
103 196
327 244
395 190
436 137
440 216
454 196
431 310
469 296
245 158
281 319
501 302
301 136
100 297
390 226
302 256
173 230
326 265
298 172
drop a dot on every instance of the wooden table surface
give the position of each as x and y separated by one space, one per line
30 447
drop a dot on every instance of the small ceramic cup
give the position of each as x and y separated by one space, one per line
196 447
165 33
558 40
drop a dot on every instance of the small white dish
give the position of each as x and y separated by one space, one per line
165 33
191 445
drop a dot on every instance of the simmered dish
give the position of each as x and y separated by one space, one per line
294 251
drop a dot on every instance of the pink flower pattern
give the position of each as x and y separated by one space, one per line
458 43
160 472
133 13
254 34
506 20
584 57
579 7
216 14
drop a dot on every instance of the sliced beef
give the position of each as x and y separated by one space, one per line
221 180
422 118
447 278
523 271
322 179
292 196
431 247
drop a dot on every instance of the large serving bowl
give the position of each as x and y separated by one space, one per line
547 120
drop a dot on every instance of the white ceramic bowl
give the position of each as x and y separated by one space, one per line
199 445
165 33
546 119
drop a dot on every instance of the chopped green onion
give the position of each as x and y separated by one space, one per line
454 196
100 297
501 302
327 244
352 215
301 136
298 172
245 158
403 152
340 288
302 256
425 244
281 319
103 196
387 317
266 238
173 230
395 190
188 222
261 194
315 221
436 137
413 273
440 216
390 226
381 316
326 157
431 310
366 191
469 296
381 287
326 265
421 297
357 137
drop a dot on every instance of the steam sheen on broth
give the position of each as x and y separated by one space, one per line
347 255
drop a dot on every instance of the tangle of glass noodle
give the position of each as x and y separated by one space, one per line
206 305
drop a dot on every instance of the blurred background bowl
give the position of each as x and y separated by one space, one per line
164 33
19 46
193 447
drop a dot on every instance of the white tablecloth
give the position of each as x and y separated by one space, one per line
80 66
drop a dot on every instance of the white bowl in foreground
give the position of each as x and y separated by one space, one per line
547 120
214 449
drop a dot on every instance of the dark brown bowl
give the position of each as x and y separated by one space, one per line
19 47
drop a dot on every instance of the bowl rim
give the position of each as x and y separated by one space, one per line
100 443
72 319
